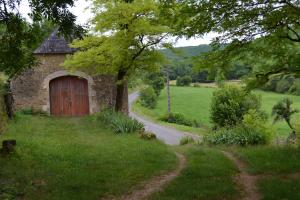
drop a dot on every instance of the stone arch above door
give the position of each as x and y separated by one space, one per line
93 104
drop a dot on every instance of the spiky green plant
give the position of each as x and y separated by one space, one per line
283 111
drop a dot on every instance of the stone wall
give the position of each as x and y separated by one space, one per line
31 88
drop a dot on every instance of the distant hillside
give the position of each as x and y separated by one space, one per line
184 53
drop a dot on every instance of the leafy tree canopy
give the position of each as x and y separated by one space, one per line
18 37
240 23
127 34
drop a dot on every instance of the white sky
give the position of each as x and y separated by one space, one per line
83 15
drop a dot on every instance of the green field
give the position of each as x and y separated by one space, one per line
66 158
194 103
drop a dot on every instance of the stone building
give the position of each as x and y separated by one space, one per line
51 88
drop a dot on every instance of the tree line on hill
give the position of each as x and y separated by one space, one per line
181 64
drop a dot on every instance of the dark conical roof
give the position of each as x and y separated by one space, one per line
54 44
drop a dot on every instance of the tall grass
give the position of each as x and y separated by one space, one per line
119 122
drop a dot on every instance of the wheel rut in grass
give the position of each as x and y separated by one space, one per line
155 184
245 180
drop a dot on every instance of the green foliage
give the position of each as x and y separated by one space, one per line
297 130
230 104
156 80
264 35
271 84
253 130
136 31
148 97
283 111
119 122
18 38
147 135
183 81
295 88
9 191
178 118
284 85
239 135
259 122
186 140
201 17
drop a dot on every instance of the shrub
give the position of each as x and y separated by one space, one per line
183 81
260 123
253 130
284 84
295 88
157 81
147 135
178 118
148 98
186 140
271 84
119 122
230 104
241 135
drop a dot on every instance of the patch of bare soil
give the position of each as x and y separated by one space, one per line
245 180
155 184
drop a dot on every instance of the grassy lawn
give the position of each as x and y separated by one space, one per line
194 103
279 189
270 159
208 175
76 158
281 164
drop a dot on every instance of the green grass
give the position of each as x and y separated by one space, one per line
270 159
76 158
208 175
280 164
194 103
279 189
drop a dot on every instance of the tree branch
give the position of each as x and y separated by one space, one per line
295 33
148 45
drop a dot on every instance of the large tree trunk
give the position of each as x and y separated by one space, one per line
120 91
8 100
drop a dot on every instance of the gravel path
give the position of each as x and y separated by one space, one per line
168 135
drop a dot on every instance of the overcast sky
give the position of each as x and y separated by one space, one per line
83 15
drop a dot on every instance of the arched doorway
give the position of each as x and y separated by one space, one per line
69 96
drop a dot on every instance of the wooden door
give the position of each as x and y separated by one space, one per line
69 96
